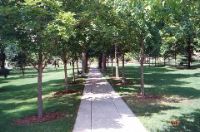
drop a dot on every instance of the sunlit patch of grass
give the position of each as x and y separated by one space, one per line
18 99
179 91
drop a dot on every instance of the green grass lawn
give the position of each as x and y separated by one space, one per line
18 99
180 92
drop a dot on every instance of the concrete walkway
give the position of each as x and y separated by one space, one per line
103 110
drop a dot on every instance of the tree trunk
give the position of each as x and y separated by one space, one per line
73 71
65 74
164 61
77 67
84 62
175 58
116 62
103 63
175 54
123 61
123 69
155 61
149 61
142 66
2 59
100 61
39 98
23 71
112 67
189 52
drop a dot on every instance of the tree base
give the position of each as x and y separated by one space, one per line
34 119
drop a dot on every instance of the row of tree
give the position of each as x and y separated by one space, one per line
73 29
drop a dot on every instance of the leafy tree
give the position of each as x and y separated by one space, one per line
32 33
183 14
141 19
60 30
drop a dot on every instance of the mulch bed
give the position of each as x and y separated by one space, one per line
35 119
116 79
174 123
63 92
157 97
147 97
126 83
78 82
119 81
173 100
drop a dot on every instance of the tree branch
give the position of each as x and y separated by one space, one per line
34 65
45 64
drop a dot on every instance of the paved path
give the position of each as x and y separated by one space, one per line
103 110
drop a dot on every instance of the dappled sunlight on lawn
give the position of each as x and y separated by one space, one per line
18 99
179 91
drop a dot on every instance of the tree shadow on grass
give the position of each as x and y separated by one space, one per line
34 71
22 93
185 92
2 80
146 107
10 78
12 111
28 91
187 123
20 101
160 81
197 74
